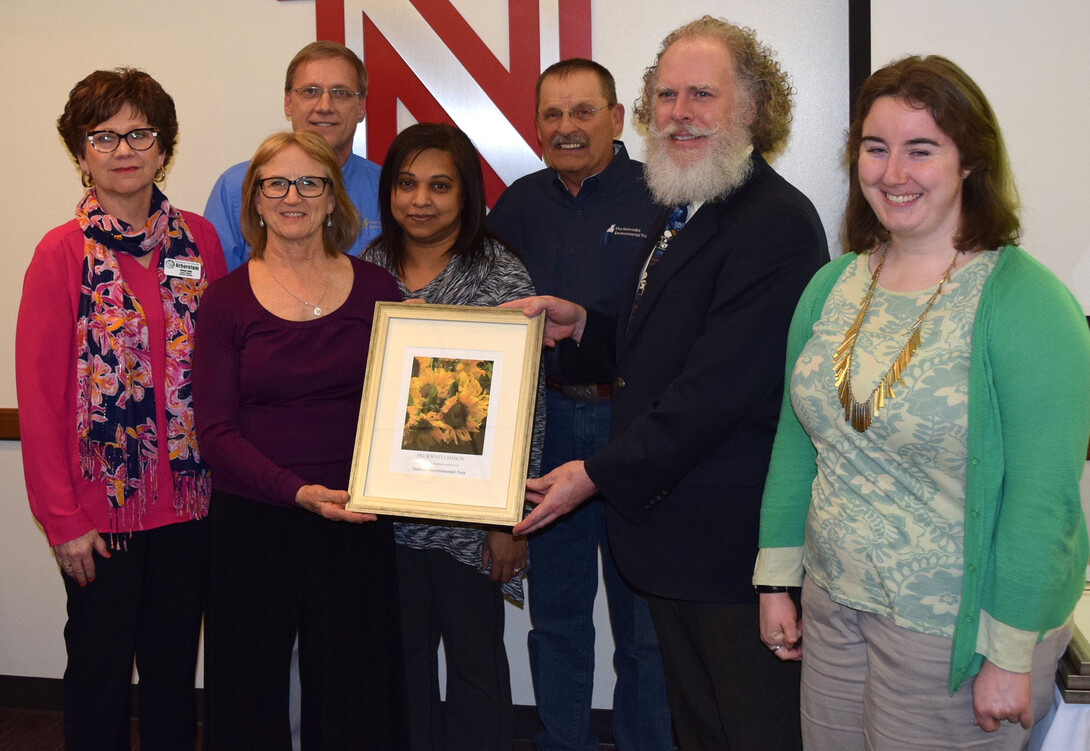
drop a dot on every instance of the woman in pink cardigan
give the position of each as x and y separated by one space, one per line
113 471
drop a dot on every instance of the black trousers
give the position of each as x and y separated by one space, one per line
726 689
441 597
145 605
278 572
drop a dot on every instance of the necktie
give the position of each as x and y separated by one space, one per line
673 226
677 218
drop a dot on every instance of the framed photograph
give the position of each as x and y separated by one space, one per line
446 414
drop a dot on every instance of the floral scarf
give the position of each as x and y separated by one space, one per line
115 396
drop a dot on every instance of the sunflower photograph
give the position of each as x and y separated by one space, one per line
447 409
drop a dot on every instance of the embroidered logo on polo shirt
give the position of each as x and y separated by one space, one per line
630 232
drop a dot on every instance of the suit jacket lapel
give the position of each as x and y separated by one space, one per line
654 232
700 228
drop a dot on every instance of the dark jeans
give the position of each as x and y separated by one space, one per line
144 604
563 583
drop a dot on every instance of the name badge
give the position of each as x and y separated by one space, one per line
182 269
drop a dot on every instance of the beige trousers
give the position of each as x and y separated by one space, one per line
870 685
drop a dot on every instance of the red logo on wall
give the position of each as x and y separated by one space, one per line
425 55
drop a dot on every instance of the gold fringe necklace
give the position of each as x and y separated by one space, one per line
861 414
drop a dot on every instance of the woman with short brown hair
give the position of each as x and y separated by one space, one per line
114 473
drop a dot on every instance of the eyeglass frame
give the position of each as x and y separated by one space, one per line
123 137
261 185
301 92
557 116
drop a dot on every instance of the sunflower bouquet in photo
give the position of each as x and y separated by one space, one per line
448 405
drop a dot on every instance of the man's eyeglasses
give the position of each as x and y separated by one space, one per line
140 139
307 187
581 114
337 93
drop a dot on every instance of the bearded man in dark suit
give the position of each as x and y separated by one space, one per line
699 363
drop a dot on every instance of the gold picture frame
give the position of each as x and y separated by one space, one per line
447 413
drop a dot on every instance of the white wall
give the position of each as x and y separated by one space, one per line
223 62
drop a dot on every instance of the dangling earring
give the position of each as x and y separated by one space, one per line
86 180
160 175
260 221
329 219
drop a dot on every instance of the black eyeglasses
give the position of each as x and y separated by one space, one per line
140 139
337 93
307 187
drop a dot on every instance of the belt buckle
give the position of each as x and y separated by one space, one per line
580 392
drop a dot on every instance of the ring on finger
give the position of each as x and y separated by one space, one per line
775 648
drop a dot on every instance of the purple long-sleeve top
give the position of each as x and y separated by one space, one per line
276 401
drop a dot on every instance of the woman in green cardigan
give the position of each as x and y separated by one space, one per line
926 471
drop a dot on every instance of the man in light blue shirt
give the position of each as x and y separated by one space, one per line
325 91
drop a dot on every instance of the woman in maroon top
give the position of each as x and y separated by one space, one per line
280 363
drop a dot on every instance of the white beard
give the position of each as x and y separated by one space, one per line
724 167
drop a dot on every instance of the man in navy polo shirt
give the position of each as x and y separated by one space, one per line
579 226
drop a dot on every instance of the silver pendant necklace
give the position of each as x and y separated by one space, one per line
315 307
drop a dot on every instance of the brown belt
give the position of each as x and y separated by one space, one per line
580 392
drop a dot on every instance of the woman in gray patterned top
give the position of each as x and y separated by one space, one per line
453 577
